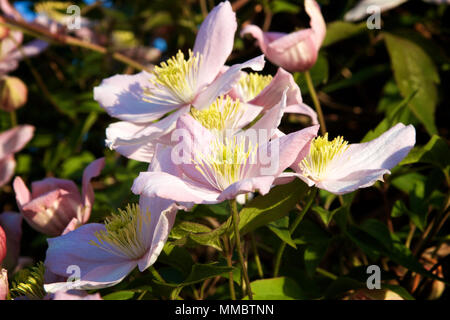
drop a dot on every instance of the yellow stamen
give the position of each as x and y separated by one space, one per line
251 84
29 283
315 166
226 161
175 81
223 114
123 233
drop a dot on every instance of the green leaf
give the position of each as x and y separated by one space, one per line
281 228
199 233
74 166
415 71
119 295
176 257
199 273
281 288
313 256
398 209
283 6
340 30
325 215
402 292
273 206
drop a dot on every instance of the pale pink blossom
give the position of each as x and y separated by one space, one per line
206 176
4 287
53 203
12 141
106 254
340 168
295 51
171 89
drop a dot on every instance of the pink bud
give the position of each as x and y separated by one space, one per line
3 284
2 245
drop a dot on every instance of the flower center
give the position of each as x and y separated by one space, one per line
224 113
251 84
122 236
29 283
316 165
175 81
225 163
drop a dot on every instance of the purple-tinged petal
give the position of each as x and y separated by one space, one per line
215 41
11 222
50 184
23 195
30 49
92 170
224 83
99 268
122 97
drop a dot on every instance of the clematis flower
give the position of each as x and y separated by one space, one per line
213 170
11 222
172 88
12 141
107 253
296 51
362 7
341 168
53 202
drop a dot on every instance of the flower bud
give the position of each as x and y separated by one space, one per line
13 93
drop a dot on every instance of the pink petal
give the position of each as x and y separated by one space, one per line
98 267
50 213
365 163
159 231
224 83
122 97
272 118
50 184
11 222
317 22
30 49
7 166
261 184
166 186
215 41
13 140
23 195
137 141
92 170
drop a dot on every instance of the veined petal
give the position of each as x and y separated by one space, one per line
122 96
214 41
261 184
224 83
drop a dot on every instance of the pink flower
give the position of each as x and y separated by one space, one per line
340 168
54 202
12 141
296 51
172 88
11 222
213 170
107 253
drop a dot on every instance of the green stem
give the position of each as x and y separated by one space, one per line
298 219
326 273
13 118
256 254
156 274
237 236
227 253
315 99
